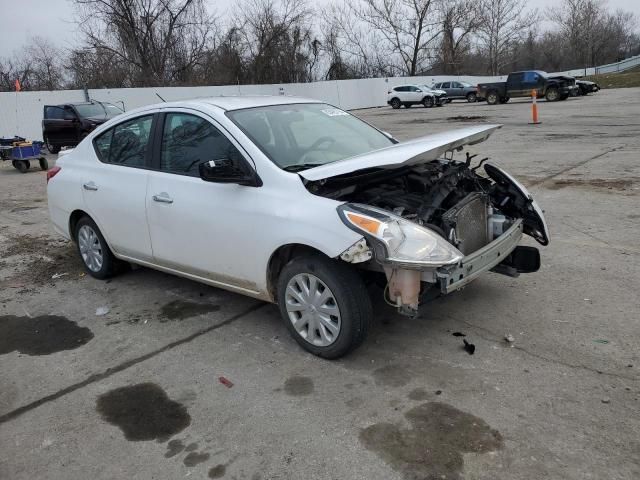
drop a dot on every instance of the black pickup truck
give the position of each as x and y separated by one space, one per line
520 84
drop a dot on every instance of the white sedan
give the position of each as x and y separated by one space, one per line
292 201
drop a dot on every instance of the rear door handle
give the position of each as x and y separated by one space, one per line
90 186
162 198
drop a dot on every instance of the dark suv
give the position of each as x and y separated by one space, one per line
66 125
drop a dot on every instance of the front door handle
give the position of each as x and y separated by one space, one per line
90 186
162 198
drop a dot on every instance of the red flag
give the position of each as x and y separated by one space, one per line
18 87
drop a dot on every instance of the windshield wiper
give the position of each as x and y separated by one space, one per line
301 166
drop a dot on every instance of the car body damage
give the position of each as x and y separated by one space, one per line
470 215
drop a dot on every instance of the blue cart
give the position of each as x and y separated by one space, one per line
21 156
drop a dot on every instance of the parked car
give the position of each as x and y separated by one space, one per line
455 89
520 84
408 95
295 202
586 87
67 124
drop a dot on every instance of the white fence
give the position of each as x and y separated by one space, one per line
21 113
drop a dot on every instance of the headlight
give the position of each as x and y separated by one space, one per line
405 242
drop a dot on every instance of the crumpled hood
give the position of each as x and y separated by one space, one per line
419 150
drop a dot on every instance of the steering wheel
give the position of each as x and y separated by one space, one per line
319 142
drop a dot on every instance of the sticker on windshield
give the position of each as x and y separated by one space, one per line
334 112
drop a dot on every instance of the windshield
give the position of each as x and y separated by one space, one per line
427 88
466 84
90 110
304 135
111 110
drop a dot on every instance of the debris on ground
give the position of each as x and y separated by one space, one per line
438 392
470 348
55 276
226 382
601 340
458 334
509 338
100 311
606 400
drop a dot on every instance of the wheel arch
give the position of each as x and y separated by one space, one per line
280 257
75 217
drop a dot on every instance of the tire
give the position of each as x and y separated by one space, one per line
347 293
472 97
21 165
493 98
395 103
44 165
109 263
427 102
552 95
505 99
51 148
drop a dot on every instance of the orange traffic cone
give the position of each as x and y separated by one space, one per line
534 108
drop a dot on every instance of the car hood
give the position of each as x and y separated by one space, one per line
419 150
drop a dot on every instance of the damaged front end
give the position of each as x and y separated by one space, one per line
433 227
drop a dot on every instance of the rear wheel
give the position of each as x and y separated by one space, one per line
493 98
472 97
427 102
98 260
324 304
395 103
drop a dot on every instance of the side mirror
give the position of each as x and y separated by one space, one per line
225 170
419 91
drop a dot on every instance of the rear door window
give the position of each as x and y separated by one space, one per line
126 144
446 85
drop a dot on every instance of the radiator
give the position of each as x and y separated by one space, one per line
467 223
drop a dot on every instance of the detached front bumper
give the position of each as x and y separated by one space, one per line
454 277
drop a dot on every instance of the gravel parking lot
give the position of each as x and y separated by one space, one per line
562 401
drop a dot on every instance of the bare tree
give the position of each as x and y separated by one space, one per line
37 66
278 40
407 29
503 23
459 22
157 40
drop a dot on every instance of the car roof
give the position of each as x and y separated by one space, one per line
239 102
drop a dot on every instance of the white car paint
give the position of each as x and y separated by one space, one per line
220 234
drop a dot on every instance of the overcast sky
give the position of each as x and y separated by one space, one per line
53 19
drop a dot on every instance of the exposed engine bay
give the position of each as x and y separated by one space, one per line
482 216
446 196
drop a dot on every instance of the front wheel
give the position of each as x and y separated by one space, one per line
472 97
552 95
324 304
52 148
44 165
427 102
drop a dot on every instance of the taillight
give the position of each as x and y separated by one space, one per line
52 172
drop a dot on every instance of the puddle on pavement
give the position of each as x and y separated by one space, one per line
143 412
41 335
297 386
433 447
392 376
174 447
181 309
418 394
218 471
194 458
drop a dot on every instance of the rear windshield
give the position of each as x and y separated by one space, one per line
303 135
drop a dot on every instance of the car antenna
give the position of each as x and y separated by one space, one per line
158 95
